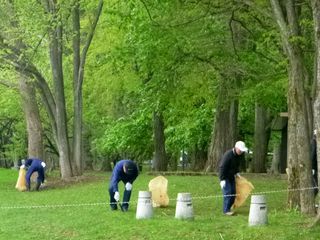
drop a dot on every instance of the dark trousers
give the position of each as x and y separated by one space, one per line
125 200
229 189
40 178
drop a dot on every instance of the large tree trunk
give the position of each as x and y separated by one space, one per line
299 165
261 139
55 46
224 130
316 106
32 116
160 156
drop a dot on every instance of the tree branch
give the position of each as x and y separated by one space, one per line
88 42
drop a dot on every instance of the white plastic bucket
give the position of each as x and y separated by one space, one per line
144 205
184 208
258 211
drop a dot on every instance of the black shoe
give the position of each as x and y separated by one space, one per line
123 209
113 207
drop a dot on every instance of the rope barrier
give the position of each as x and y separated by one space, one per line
134 202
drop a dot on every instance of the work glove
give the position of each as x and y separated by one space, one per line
22 166
128 186
222 184
117 196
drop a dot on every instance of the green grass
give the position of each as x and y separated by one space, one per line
98 222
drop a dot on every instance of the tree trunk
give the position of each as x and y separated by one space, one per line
78 76
261 138
275 160
299 165
160 158
316 105
77 92
55 46
224 130
199 158
32 116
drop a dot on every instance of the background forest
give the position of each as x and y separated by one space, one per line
85 83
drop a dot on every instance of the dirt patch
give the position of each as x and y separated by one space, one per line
56 182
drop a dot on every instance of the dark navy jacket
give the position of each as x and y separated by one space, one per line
119 175
229 165
34 165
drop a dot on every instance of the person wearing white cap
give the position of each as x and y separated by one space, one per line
228 170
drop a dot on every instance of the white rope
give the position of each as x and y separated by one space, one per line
171 199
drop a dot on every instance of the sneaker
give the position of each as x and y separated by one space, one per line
229 213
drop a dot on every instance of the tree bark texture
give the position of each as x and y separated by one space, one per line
316 105
299 165
55 46
160 157
262 133
224 129
32 116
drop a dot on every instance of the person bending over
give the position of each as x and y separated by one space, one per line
34 165
127 172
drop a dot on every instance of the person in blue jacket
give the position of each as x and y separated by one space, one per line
125 171
34 165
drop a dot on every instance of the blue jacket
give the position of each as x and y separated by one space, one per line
119 175
34 165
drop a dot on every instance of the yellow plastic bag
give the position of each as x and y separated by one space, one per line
158 187
21 182
243 190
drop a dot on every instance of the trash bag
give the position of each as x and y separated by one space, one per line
243 190
158 187
21 182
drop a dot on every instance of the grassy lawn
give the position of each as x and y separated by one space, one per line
80 211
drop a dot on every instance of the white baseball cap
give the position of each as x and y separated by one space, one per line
241 146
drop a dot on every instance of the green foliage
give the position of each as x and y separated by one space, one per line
168 56
129 137
12 125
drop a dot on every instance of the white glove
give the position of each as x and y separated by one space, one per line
313 172
222 184
238 175
22 166
117 196
128 186
43 164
